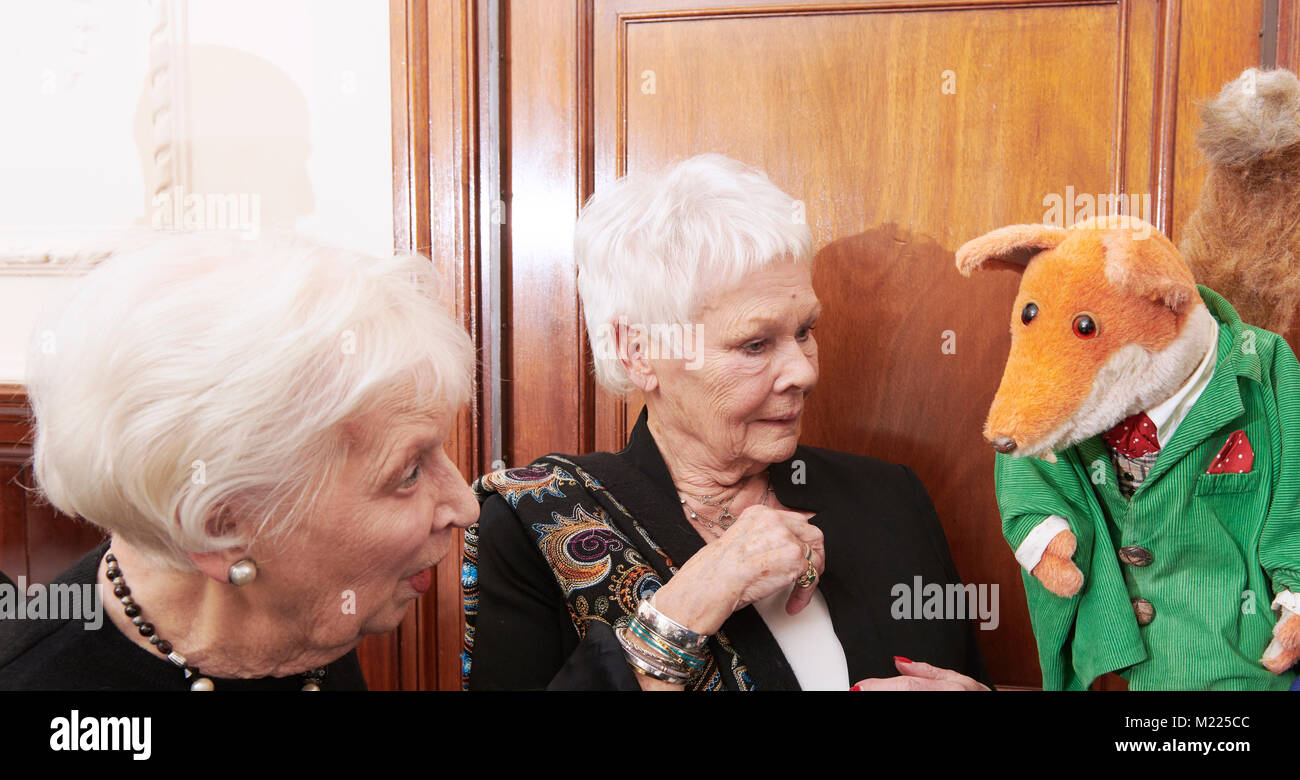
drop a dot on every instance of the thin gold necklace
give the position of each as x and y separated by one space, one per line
723 520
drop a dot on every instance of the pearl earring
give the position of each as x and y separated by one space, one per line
242 572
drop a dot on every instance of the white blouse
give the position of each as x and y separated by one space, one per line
808 641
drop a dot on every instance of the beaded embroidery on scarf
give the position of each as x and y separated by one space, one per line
601 573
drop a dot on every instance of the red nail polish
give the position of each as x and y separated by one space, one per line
855 688
902 659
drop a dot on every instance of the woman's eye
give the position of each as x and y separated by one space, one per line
411 478
805 333
754 347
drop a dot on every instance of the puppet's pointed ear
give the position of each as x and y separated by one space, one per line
1142 261
1008 247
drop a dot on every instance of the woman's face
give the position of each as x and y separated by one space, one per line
355 567
742 398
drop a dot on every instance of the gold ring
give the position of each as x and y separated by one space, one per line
808 577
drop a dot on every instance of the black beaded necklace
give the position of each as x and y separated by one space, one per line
312 680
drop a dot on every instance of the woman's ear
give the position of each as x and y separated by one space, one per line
221 523
632 345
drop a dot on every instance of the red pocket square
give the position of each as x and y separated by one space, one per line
1236 457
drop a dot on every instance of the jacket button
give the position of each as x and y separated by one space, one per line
1135 556
1144 611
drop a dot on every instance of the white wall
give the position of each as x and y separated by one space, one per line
285 110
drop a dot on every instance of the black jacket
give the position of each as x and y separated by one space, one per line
880 530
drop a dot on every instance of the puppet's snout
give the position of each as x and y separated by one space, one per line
1003 444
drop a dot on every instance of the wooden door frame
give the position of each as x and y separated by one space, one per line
437 90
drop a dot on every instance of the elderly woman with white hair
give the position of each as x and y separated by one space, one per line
714 552
258 428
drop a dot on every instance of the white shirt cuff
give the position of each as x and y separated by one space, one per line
1030 551
1288 600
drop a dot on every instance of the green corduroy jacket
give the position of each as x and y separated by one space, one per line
1222 545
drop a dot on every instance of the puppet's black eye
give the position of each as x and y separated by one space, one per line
1085 327
1030 312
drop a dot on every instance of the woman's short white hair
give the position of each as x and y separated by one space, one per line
649 245
205 377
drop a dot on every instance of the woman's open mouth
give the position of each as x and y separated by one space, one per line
421 581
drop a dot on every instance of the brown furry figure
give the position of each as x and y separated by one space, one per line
1243 241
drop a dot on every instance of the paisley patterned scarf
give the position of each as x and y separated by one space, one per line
586 537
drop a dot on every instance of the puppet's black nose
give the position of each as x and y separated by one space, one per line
1004 444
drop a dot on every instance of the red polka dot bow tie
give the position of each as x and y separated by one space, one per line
1134 437
1236 457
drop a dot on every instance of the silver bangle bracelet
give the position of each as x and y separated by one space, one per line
633 645
641 667
642 663
668 629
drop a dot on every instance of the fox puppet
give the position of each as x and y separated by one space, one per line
1148 466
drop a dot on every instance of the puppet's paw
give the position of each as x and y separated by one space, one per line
1056 571
1282 653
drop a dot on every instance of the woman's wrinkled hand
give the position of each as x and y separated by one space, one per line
760 554
917 676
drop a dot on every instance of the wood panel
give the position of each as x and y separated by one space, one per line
453 93
1288 35
435 51
1214 48
15 452
13 521
548 386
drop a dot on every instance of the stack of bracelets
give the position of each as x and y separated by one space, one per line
666 650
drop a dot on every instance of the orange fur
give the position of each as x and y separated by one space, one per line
1286 635
1136 289
1009 247
1056 570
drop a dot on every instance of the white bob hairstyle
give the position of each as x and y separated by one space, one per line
204 377
649 246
